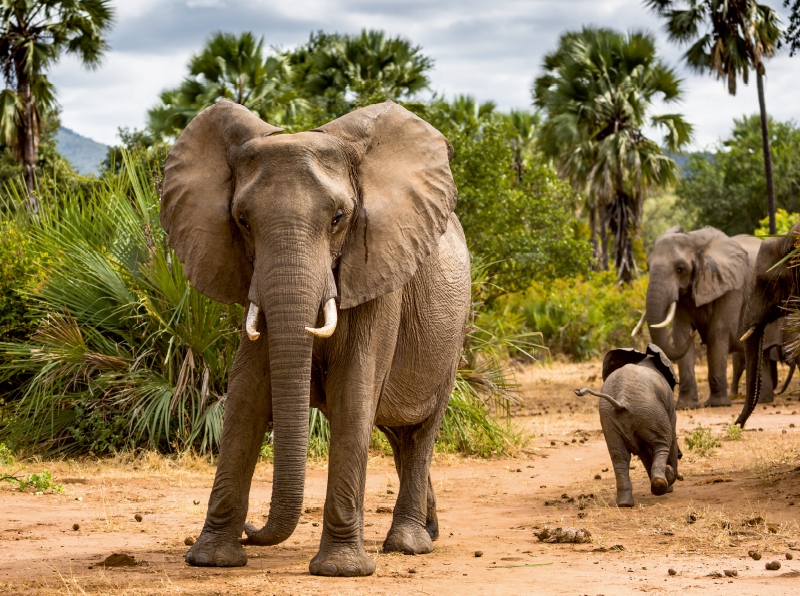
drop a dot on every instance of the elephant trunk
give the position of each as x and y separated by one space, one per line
753 353
661 303
291 305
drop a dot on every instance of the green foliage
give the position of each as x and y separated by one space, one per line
581 317
18 273
126 353
517 215
783 223
6 455
733 432
727 189
701 441
37 482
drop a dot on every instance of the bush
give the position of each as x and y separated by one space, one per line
783 223
701 441
582 317
18 274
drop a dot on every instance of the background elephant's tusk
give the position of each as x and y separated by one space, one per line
252 322
748 333
670 316
329 310
638 327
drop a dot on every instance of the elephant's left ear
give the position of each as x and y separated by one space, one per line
663 364
722 265
406 193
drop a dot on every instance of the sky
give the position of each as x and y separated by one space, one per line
490 49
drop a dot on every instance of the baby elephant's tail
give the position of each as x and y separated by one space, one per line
617 405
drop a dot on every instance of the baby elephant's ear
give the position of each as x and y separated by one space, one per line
618 358
406 193
663 364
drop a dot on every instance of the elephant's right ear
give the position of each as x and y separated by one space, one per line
663 364
618 358
722 265
196 200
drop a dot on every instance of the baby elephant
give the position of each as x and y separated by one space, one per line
637 413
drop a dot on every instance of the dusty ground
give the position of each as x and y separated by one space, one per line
744 496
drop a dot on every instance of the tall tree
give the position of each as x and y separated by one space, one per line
728 38
235 68
34 34
597 94
793 30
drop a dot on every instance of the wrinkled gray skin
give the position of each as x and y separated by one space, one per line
637 413
772 286
361 210
709 275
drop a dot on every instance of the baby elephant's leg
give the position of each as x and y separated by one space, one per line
660 472
622 466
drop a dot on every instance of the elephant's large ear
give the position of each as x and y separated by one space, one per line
721 265
663 364
196 200
618 358
406 193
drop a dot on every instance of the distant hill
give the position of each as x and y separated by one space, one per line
82 152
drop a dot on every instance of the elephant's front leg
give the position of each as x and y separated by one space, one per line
767 394
738 369
687 393
718 344
247 412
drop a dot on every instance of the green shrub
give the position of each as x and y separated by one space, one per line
6 456
701 441
18 273
37 482
734 432
783 223
582 317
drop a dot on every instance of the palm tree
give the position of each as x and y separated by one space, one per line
33 36
737 36
350 71
597 93
234 68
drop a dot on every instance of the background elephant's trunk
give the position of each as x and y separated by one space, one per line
291 304
753 352
659 299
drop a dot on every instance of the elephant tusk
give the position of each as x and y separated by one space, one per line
252 322
329 310
638 327
748 333
670 316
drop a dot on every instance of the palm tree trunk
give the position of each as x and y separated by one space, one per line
28 148
767 153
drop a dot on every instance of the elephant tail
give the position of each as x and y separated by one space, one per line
792 366
613 401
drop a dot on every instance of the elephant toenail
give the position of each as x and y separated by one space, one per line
350 571
329 569
201 559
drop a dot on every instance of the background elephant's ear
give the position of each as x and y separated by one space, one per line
196 200
722 265
663 364
406 192
618 358
675 230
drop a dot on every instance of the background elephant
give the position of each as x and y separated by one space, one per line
359 212
637 413
700 281
774 282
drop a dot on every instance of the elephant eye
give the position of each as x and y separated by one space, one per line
680 269
243 222
337 217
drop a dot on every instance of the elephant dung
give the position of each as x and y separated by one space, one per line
564 535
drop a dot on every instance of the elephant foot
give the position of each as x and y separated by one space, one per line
686 404
670 489
671 475
718 402
215 550
409 540
342 561
625 499
432 527
766 399
659 486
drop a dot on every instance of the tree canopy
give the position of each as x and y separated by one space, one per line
597 93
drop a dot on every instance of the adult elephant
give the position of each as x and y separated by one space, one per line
358 212
775 281
699 281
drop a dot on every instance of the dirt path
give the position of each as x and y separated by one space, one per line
744 496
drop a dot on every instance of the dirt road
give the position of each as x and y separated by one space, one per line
743 496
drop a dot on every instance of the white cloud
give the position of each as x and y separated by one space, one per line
492 50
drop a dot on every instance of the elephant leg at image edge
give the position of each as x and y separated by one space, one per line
247 411
767 395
